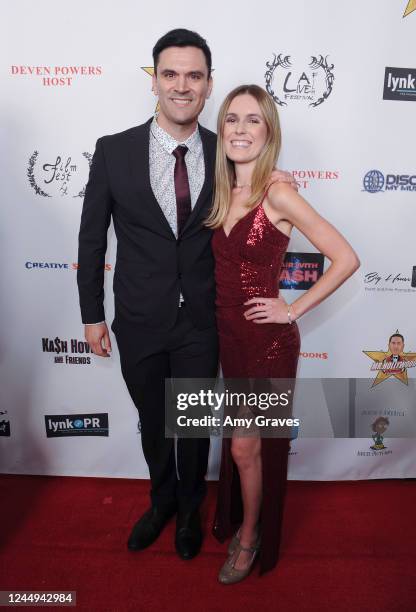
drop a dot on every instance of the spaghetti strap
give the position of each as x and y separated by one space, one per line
266 192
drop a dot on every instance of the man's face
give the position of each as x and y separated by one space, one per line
396 345
182 84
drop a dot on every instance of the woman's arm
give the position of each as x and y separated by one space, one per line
284 203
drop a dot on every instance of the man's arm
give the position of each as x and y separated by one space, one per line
95 219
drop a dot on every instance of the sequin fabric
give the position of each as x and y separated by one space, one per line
248 264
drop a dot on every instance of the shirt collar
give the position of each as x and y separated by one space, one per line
169 143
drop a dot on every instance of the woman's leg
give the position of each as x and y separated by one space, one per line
246 452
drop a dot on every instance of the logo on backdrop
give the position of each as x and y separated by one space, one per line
314 355
4 424
68 351
150 71
290 81
400 84
301 270
305 177
390 282
58 176
59 425
411 6
56 76
392 363
379 427
375 181
54 265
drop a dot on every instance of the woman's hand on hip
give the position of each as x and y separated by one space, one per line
268 310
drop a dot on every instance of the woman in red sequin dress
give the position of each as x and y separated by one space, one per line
258 335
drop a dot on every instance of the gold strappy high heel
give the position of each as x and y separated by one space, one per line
236 540
228 573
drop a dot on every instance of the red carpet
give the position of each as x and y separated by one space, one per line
347 546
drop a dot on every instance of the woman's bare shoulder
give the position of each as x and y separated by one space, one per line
281 194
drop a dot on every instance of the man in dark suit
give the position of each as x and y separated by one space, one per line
156 182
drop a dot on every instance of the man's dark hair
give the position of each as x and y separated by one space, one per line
182 38
396 336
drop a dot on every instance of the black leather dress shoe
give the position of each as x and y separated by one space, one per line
148 527
188 538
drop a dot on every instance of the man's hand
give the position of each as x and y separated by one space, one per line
281 176
98 338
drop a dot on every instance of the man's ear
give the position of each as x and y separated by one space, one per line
210 85
154 85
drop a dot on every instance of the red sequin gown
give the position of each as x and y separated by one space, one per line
248 264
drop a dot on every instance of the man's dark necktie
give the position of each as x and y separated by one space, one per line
183 195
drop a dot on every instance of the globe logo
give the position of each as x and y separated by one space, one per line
78 423
373 181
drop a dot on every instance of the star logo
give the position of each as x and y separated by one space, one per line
411 6
150 71
393 362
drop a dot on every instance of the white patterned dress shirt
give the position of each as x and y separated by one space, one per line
162 166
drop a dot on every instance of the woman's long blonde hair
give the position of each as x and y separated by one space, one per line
224 167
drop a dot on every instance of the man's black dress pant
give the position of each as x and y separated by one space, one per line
148 356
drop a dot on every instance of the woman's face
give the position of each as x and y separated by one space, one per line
245 130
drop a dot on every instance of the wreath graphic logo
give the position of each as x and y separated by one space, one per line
284 61
30 172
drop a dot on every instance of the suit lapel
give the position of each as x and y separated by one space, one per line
140 174
209 161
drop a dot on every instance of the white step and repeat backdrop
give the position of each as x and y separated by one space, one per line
341 74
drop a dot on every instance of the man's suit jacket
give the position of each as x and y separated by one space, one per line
152 266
